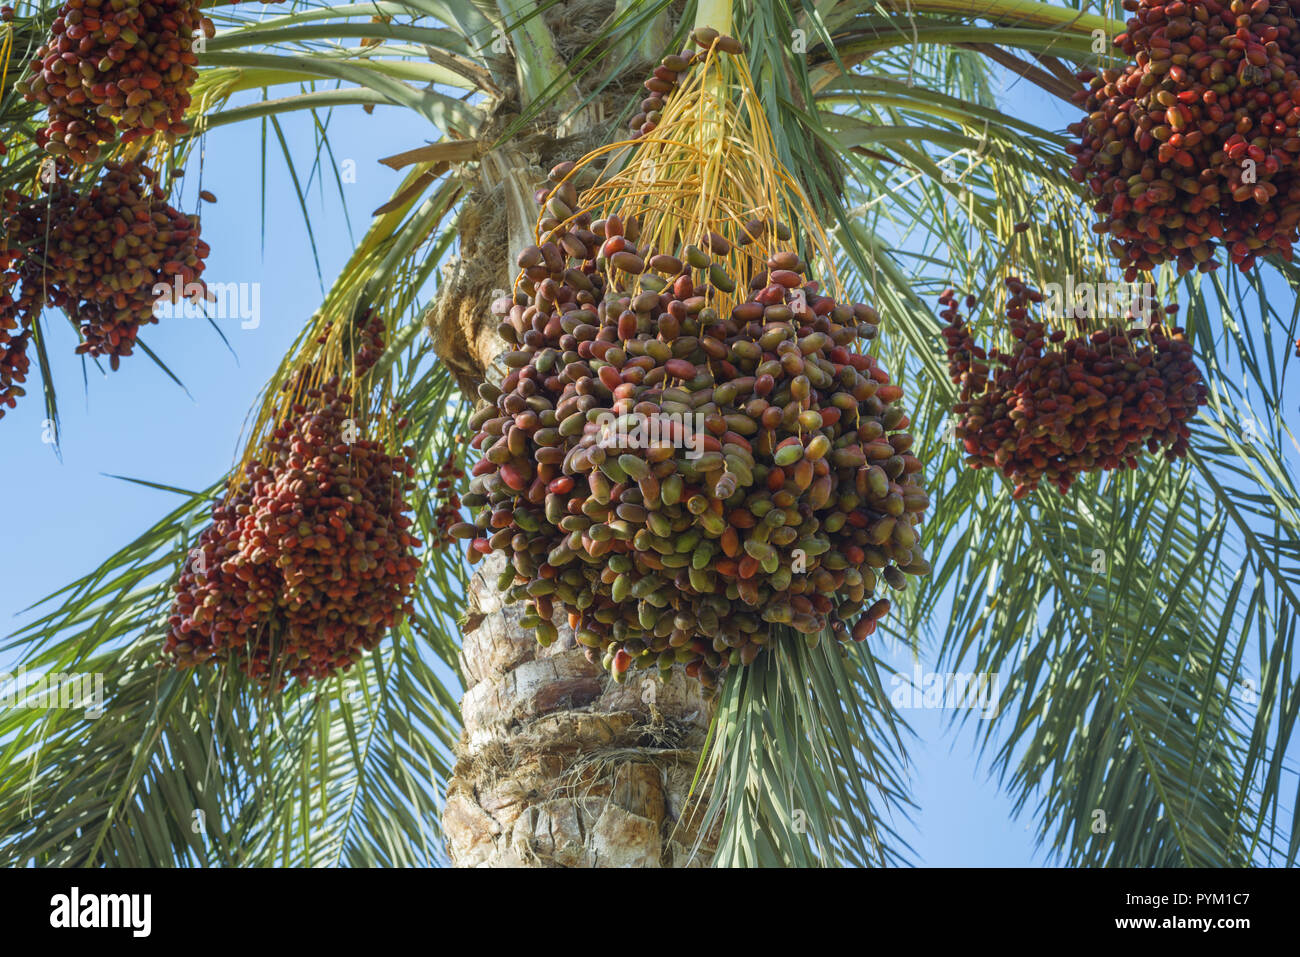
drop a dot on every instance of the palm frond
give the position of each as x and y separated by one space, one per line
805 767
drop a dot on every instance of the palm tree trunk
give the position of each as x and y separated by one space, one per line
560 766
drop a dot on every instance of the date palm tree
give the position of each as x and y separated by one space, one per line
1142 626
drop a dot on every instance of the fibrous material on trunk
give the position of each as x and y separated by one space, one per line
560 766
497 213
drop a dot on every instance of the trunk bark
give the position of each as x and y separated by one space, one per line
558 765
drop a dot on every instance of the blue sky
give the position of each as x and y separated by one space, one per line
65 515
